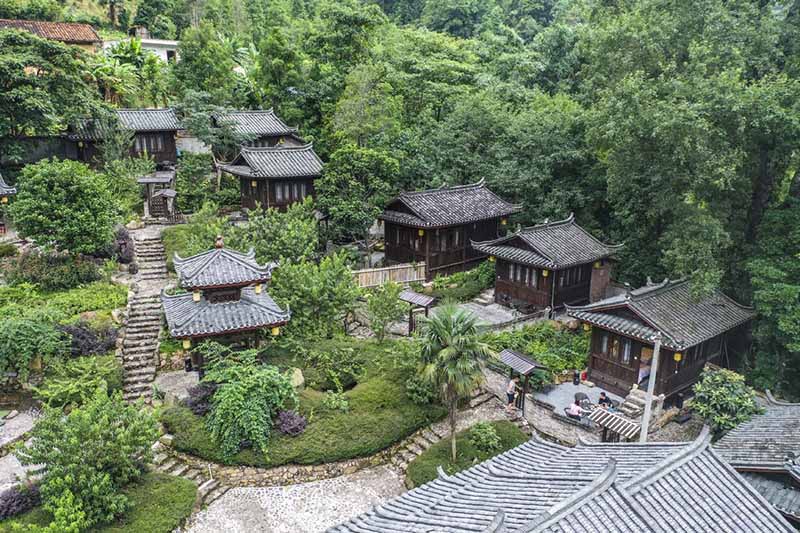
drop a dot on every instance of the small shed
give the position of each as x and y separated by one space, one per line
159 193
523 366
615 426
415 300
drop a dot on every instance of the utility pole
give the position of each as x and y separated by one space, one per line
651 385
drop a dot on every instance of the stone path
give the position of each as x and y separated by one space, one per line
143 325
208 489
303 508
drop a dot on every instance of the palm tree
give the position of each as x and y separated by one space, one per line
452 358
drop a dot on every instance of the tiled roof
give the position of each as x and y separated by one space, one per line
448 206
67 32
276 162
258 123
559 244
669 308
617 423
592 488
766 441
784 496
187 318
221 267
519 362
5 189
138 120
416 298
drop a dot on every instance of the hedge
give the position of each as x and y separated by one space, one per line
423 469
159 504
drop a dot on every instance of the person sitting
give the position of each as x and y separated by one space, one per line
605 402
575 410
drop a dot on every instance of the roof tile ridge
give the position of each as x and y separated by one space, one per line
254 299
498 240
189 316
599 485
244 259
670 463
447 188
279 148
776 402
498 524
203 262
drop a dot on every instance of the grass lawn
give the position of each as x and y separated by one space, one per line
380 414
63 306
423 468
159 504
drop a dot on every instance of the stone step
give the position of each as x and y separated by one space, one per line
180 470
194 475
137 388
137 353
480 399
407 455
143 334
215 495
160 458
167 465
208 486
146 306
414 448
151 343
430 435
422 442
146 314
133 374
135 364
144 322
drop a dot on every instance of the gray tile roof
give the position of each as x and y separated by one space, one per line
448 206
784 496
187 318
593 488
416 298
257 123
158 177
137 120
554 245
276 162
669 308
221 267
519 362
6 189
766 441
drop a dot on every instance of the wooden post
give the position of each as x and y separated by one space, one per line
651 385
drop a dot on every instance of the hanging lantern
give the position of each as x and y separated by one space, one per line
545 273
254 184
258 288
677 357
598 264
503 221
586 327
187 343
196 296
281 140
491 259
275 331
80 144
421 232
4 200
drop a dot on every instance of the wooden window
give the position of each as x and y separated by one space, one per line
534 278
626 351
511 267
615 347
604 343
303 191
714 346
279 192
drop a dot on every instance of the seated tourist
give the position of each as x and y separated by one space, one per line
605 402
575 411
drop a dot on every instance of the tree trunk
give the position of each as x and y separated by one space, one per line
453 412
112 13
366 245
762 192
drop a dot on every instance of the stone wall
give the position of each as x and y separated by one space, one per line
601 279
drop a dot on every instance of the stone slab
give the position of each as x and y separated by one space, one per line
175 385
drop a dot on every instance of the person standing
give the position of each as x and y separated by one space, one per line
511 393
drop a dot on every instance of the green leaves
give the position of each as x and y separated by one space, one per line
722 398
25 340
384 307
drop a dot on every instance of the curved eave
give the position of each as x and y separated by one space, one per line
242 284
230 331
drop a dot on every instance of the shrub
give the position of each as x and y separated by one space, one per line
194 185
19 499
52 272
248 398
335 401
88 456
196 236
73 382
420 390
64 205
7 249
22 340
291 423
722 399
558 349
199 400
467 284
484 437
87 341
384 307
333 367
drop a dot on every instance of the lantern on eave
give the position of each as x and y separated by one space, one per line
491 259
545 273
503 221
258 288
677 357
598 264
254 184
275 331
420 232
586 327
4 200
196 296
187 343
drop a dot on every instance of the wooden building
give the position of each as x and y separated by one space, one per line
154 135
766 451
544 487
226 296
275 176
693 332
549 265
437 225
264 128
76 34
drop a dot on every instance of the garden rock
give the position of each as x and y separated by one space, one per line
298 381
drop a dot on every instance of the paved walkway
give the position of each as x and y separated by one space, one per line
304 508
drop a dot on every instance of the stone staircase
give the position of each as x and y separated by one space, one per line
150 258
208 489
485 298
633 406
140 346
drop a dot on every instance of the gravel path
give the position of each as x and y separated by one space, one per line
303 508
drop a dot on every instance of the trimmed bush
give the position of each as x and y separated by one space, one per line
423 469
52 272
75 381
7 249
19 499
24 340
63 307
87 341
199 400
291 423
484 437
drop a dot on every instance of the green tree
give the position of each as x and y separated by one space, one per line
452 358
27 341
319 295
248 397
354 189
42 89
86 458
722 399
155 81
64 205
204 119
384 307
291 236
280 67
117 81
368 106
460 18
206 64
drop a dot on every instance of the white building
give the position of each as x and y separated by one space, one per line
166 49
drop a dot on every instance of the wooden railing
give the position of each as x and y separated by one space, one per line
404 273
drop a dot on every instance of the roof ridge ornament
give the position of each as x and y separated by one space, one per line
498 523
219 243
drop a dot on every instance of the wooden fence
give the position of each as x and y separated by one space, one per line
403 273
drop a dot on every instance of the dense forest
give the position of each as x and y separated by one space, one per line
671 126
